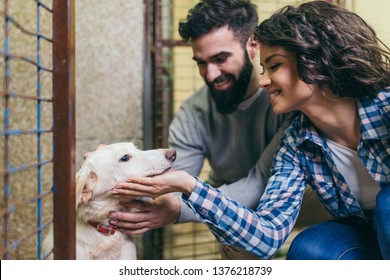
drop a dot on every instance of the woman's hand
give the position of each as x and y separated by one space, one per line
173 181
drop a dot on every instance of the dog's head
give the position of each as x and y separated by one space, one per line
107 166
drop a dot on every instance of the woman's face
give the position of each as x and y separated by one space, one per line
280 78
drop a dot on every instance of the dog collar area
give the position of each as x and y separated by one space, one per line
106 230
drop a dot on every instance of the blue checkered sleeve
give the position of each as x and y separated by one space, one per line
261 232
302 159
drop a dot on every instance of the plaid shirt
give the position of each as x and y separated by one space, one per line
303 158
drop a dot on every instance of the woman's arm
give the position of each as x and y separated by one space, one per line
261 232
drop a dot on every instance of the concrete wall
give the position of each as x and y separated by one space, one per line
109 72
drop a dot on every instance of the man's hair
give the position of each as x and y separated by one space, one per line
334 47
207 15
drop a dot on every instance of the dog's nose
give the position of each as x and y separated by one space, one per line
170 155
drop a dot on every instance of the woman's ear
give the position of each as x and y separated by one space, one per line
252 47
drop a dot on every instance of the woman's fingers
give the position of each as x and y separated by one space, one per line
147 181
174 181
134 190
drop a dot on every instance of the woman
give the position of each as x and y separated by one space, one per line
327 64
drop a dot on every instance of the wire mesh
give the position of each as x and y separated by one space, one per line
26 135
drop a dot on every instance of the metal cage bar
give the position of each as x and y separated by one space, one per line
64 129
6 187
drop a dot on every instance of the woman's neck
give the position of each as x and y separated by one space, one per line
338 119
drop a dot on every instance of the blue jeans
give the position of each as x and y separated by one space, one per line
347 239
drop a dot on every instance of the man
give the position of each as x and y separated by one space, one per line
229 121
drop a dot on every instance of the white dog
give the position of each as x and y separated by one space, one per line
99 173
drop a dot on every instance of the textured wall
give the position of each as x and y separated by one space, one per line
376 13
109 72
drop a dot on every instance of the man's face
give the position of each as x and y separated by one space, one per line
224 66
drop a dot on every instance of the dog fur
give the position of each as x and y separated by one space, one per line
99 173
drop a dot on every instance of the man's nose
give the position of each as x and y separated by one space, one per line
213 72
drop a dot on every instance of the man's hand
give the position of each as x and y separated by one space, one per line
151 214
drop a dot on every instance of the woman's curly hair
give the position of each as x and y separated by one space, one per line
335 48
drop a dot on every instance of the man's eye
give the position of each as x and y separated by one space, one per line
221 59
125 158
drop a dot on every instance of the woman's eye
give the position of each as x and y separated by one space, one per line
275 66
125 158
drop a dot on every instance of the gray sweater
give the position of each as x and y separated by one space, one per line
239 146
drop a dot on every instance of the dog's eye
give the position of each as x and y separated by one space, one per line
125 158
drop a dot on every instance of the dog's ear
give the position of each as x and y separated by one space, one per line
85 183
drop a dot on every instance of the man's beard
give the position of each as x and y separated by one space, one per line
227 101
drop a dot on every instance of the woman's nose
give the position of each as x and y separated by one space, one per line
265 81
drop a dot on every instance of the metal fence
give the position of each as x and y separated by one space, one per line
37 134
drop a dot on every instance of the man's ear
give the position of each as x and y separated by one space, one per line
252 47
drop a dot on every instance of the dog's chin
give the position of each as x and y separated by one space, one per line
159 173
